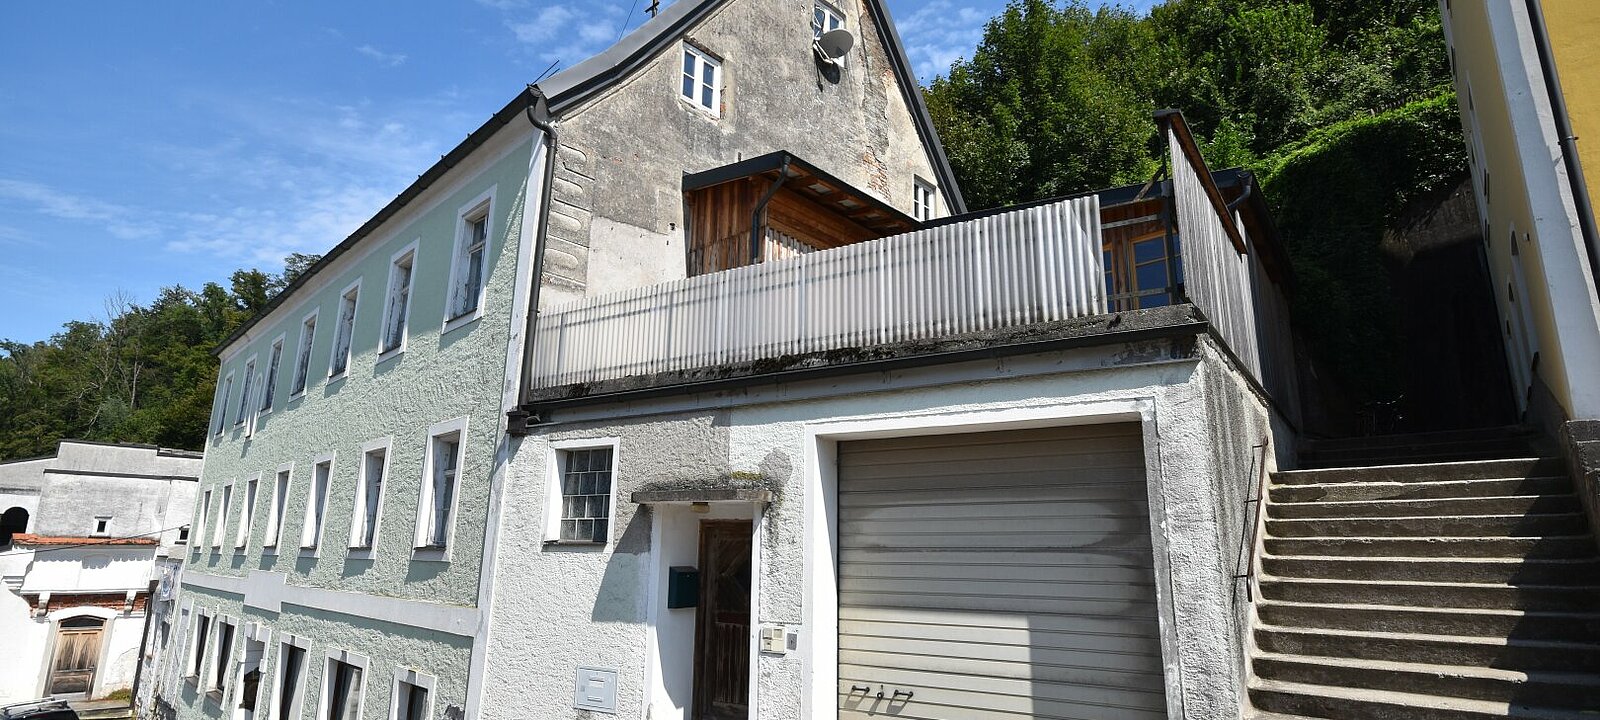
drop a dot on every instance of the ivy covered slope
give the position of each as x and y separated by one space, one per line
143 374
1341 106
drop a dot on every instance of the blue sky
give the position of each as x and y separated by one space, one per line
146 144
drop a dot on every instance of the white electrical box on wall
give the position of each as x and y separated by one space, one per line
778 640
596 690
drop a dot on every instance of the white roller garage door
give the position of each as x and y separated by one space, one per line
998 575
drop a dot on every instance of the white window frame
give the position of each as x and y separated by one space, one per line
95 531
297 706
409 255
481 206
703 59
278 508
358 549
554 498
224 503
830 12
422 541
199 534
251 632
269 382
924 199
247 512
411 677
312 528
325 698
225 390
215 684
302 356
245 406
339 325
195 660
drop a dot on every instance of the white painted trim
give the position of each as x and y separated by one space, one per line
311 536
533 196
359 550
411 677
338 324
278 516
269 383
819 608
702 59
483 204
245 405
349 658
310 341
224 506
424 526
211 683
247 512
224 391
410 249
267 591
553 495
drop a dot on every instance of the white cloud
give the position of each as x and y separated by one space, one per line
939 33
390 59
118 221
569 33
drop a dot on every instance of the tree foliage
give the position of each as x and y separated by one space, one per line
143 373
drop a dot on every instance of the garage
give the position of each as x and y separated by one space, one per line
998 575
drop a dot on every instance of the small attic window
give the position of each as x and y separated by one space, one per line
102 526
702 80
825 17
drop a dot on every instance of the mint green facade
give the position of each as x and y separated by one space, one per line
396 606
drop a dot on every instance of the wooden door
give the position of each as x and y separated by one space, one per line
77 655
722 623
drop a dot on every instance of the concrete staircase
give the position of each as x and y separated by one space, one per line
1453 587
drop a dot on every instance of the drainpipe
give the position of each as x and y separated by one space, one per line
1569 142
518 418
761 206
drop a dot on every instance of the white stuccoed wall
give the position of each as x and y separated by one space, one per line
558 608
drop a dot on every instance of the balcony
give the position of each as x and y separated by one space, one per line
761 299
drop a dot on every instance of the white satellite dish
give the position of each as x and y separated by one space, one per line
834 44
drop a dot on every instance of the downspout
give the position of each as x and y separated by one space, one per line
518 418
761 206
1568 141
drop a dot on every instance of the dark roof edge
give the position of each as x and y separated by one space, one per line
597 72
774 160
919 109
424 181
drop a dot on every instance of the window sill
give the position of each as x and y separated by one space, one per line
431 553
214 695
296 397
390 354
361 553
697 107
460 321
269 551
576 543
309 551
338 378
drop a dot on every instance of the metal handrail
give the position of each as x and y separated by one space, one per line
1248 538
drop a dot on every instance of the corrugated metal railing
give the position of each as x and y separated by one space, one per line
1018 268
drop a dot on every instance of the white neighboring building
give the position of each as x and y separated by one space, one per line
85 533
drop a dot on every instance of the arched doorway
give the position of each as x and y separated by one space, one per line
12 522
77 655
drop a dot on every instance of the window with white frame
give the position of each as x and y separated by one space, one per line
244 391
316 504
339 360
585 484
302 355
469 266
412 696
277 505
343 687
220 658
825 17
222 516
290 680
247 514
922 199
702 80
183 535
197 651
202 517
268 388
222 403
102 526
436 506
396 310
369 497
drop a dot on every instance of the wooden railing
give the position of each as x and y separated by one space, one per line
1017 268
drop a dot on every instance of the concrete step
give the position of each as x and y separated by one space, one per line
1552 689
1563 598
1428 507
1502 432
1477 651
1498 487
1412 455
1556 546
1427 472
1533 625
1340 703
1514 525
1514 571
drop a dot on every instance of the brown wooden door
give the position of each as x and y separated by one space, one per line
722 623
77 656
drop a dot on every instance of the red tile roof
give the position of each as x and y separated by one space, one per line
31 539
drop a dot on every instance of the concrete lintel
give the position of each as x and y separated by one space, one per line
707 495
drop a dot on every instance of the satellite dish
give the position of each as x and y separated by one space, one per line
834 44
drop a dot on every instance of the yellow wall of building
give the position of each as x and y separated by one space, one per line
1574 30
